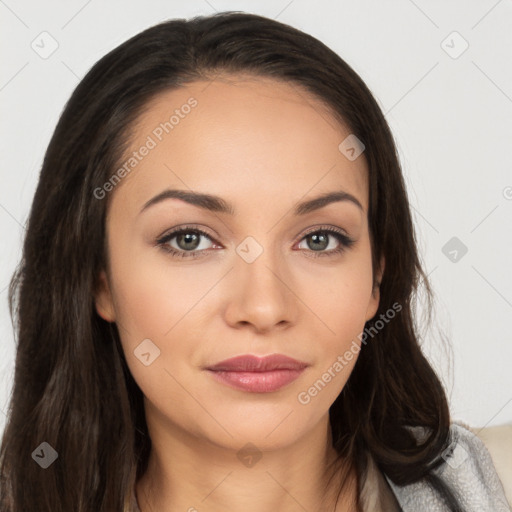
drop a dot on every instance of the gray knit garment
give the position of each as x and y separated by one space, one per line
468 471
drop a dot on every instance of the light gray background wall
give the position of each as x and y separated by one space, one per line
449 107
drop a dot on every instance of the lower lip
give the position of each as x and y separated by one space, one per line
257 382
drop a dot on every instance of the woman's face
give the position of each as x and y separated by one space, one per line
265 279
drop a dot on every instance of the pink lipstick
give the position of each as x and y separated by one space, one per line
258 374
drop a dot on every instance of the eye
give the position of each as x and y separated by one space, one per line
187 242
326 238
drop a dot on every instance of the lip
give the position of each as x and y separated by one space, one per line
250 363
257 374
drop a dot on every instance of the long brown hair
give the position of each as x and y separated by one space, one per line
72 387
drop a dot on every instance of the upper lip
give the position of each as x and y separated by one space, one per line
251 363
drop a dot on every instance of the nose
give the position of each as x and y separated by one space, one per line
261 295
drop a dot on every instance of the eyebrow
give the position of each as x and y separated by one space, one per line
217 204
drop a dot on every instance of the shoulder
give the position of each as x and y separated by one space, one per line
498 441
467 470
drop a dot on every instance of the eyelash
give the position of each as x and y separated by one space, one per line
345 242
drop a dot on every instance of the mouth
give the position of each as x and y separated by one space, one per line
257 374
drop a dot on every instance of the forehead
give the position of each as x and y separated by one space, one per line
241 136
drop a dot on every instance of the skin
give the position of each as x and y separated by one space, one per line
263 146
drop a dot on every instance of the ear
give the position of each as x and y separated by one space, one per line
103 298
373 304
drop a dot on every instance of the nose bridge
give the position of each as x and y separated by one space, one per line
261 294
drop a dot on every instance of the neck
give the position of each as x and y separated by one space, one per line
186 472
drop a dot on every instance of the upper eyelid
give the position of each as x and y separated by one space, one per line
177 231
325 228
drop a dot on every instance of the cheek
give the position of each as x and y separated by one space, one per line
341 297
156 315
150 298
149 313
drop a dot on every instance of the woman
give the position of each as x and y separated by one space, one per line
215 300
